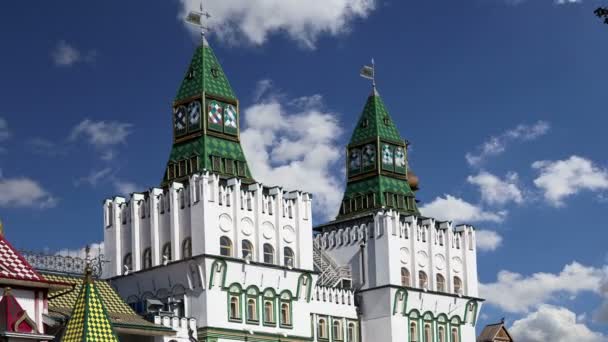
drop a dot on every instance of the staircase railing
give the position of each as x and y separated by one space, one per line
331 275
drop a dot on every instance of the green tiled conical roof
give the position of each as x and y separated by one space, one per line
377 167
212 141
379 122
205 74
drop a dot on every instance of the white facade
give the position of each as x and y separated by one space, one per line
192 219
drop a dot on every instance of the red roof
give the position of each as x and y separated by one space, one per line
14 266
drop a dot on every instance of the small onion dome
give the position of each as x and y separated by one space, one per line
412 180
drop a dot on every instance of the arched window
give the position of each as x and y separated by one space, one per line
413 332
225 246
337 330
422 280
440 283
247 249
235 312
269 311
441 334
268 253
405 277
427 333
322 328
147 258
285 314
352 332
252 310
187 248
457 285
127 262
167 252
455 335
288 257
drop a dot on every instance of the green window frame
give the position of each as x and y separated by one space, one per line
352 333
322 328
252 305
337 329
235 308
269 301
285 310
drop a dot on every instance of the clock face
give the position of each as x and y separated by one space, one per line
194 114
180 119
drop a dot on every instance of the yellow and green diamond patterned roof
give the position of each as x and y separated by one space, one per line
120 314
89 320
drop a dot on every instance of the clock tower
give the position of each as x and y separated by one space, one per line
206 130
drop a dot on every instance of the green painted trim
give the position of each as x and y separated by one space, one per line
213 267
466 312
403 309
239 294
309 286
239 335
334 319
328 328
265 320
256 297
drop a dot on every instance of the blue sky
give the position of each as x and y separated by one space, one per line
517 86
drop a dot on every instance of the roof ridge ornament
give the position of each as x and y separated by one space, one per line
197 19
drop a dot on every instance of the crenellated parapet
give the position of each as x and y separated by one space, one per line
333 295
193 217
404 250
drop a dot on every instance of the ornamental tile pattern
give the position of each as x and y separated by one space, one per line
14 266
89 320
62 302
375 121
205 74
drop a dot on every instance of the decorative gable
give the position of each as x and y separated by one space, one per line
12 316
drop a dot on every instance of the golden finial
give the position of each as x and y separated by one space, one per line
1 229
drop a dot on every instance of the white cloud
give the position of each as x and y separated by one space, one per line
562 178
65 54
125 188
552 323
24 193
302 21
96 249
516 293
456 209
295 147
496 191
498 144
563 2
102 135
94 177
46 147
488 240
4 132
601 314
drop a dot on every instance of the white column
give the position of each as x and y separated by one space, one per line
174 195
155 225
137 201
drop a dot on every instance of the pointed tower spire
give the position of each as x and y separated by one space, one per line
206 129
377 167
89 320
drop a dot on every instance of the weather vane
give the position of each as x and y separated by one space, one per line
197 19
369 72
602 12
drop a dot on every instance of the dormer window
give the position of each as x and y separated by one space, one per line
387 121
364 123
